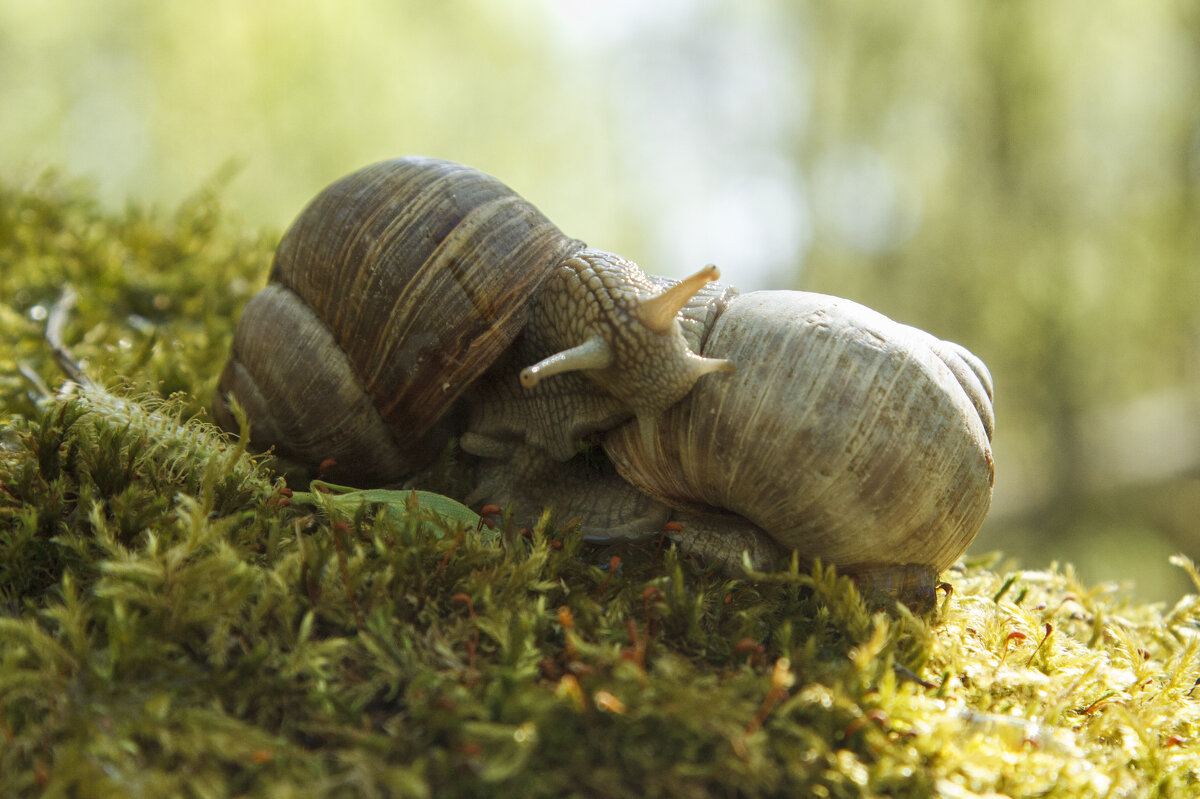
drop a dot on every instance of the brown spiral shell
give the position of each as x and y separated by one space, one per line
394 289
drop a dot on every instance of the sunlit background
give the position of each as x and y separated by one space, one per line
1021 176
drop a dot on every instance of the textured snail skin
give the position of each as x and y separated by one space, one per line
600 297
592 296
416 300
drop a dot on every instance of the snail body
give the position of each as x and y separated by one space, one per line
418 299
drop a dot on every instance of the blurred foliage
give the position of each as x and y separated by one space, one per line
1046 164
1018 176
158 292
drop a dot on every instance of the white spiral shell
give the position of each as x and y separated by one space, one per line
843 434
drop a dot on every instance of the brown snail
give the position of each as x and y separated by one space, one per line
419 299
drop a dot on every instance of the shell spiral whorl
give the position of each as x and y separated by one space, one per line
844 434
419 271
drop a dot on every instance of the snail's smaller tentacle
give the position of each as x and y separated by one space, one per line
486 446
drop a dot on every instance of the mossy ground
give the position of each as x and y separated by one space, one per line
169 625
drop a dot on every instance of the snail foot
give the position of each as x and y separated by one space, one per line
530 481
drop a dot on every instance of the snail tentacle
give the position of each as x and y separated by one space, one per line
591 354
658 312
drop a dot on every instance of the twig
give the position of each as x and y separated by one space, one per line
55 321
30 374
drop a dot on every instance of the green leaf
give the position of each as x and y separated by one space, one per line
398 503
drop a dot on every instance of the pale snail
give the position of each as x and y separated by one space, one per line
417 300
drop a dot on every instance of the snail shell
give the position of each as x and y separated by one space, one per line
390 294
843 434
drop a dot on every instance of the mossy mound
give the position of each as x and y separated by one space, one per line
171 624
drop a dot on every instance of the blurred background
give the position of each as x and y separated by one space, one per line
1022 177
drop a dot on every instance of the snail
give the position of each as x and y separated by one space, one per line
419 300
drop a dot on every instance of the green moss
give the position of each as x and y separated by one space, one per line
169 625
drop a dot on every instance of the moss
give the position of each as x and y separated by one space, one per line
170 625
